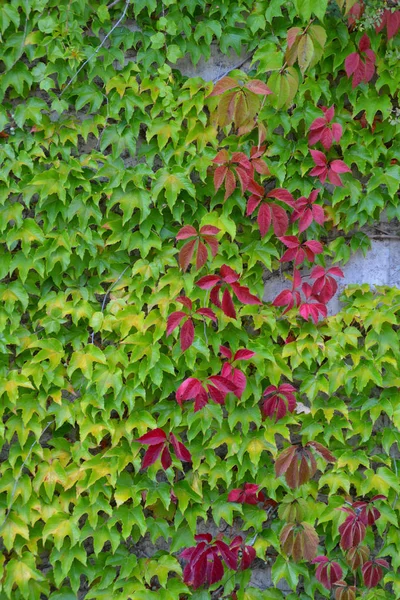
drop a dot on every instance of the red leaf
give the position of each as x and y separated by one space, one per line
230 184
280 220
228 274
223 85
290 241
153 438
243 294
166 460
186 232
337 131
188 389
219 176
252 204
258 87
239 380
185 301
174 320
244 354
264 219
330 113
314 246
282 195
202 255
227 554
181 452
187 335
207 312
244 178
152 455
227 305
338 166
326 138
364 43
319 158
372 573
222 383
186 254
351 63
212 243
209 230
207 282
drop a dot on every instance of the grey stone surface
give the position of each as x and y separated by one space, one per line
380 266
219 65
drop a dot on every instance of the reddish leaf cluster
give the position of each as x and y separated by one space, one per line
360 515
230 169
306 211
229 279
315 297
277 401
215 387
297 463
297 251
235 375
205 564
390 20
248 495
187 329
361 64
238 168
328 572
323 130
206 235
328 170
372 571
269 212
158 442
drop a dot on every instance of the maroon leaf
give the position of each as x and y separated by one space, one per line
185 301
328 572
208 281
372 571
187 335
181 452
244 354
174 320
243 294
186 254
153 438
166 460
282 195
207 312
186 232
151 455
227 305
264 219
188 390
202 255
209 230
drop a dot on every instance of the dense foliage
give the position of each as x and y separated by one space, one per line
166 432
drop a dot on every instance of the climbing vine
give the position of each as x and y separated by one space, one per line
167 433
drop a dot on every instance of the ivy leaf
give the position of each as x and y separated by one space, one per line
172 183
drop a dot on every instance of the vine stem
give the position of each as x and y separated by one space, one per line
14 489
127 2
103 304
